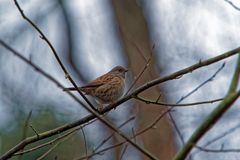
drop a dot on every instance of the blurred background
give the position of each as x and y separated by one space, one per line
93 36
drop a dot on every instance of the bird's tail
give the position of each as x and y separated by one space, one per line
71 89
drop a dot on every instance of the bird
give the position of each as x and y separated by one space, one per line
106 89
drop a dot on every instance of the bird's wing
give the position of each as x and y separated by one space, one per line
99 81
93 84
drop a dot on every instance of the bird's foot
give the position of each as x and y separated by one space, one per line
100 108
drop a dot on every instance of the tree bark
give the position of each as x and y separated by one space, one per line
134 31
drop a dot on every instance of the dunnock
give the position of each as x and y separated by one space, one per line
106 88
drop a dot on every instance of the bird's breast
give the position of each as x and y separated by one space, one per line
111 91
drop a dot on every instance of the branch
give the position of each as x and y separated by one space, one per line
222 135
230 98
217 150
123 151
34 130
147 101
142 71
64 138
202 84
187 95
85 141
233 5
111 135
25 130
147 128
207 124
47 143
52 141
48 151
235 79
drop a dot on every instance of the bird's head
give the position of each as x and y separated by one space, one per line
119 70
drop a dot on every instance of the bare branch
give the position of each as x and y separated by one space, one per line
221 150
123 151
142 71
25 130
187 95
233 5
134 43
85 141
147 128
47 143
111 135
147 101
34 130
48 151
202 84
54 140
220 136
213 117
53 147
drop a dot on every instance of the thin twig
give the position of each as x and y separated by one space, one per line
178 131
147 128
85 141
48 151
25 130
134 43
217 150
202 84
47 143
222 135
158 98
142 71
133 133
147 101
123 151
34 130
233 5
54 140
105 140
54 146
111 135
154 123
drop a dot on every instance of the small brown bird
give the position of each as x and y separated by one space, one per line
107 88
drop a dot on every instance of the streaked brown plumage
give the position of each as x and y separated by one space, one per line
106 88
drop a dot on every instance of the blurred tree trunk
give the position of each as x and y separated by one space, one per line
133 28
